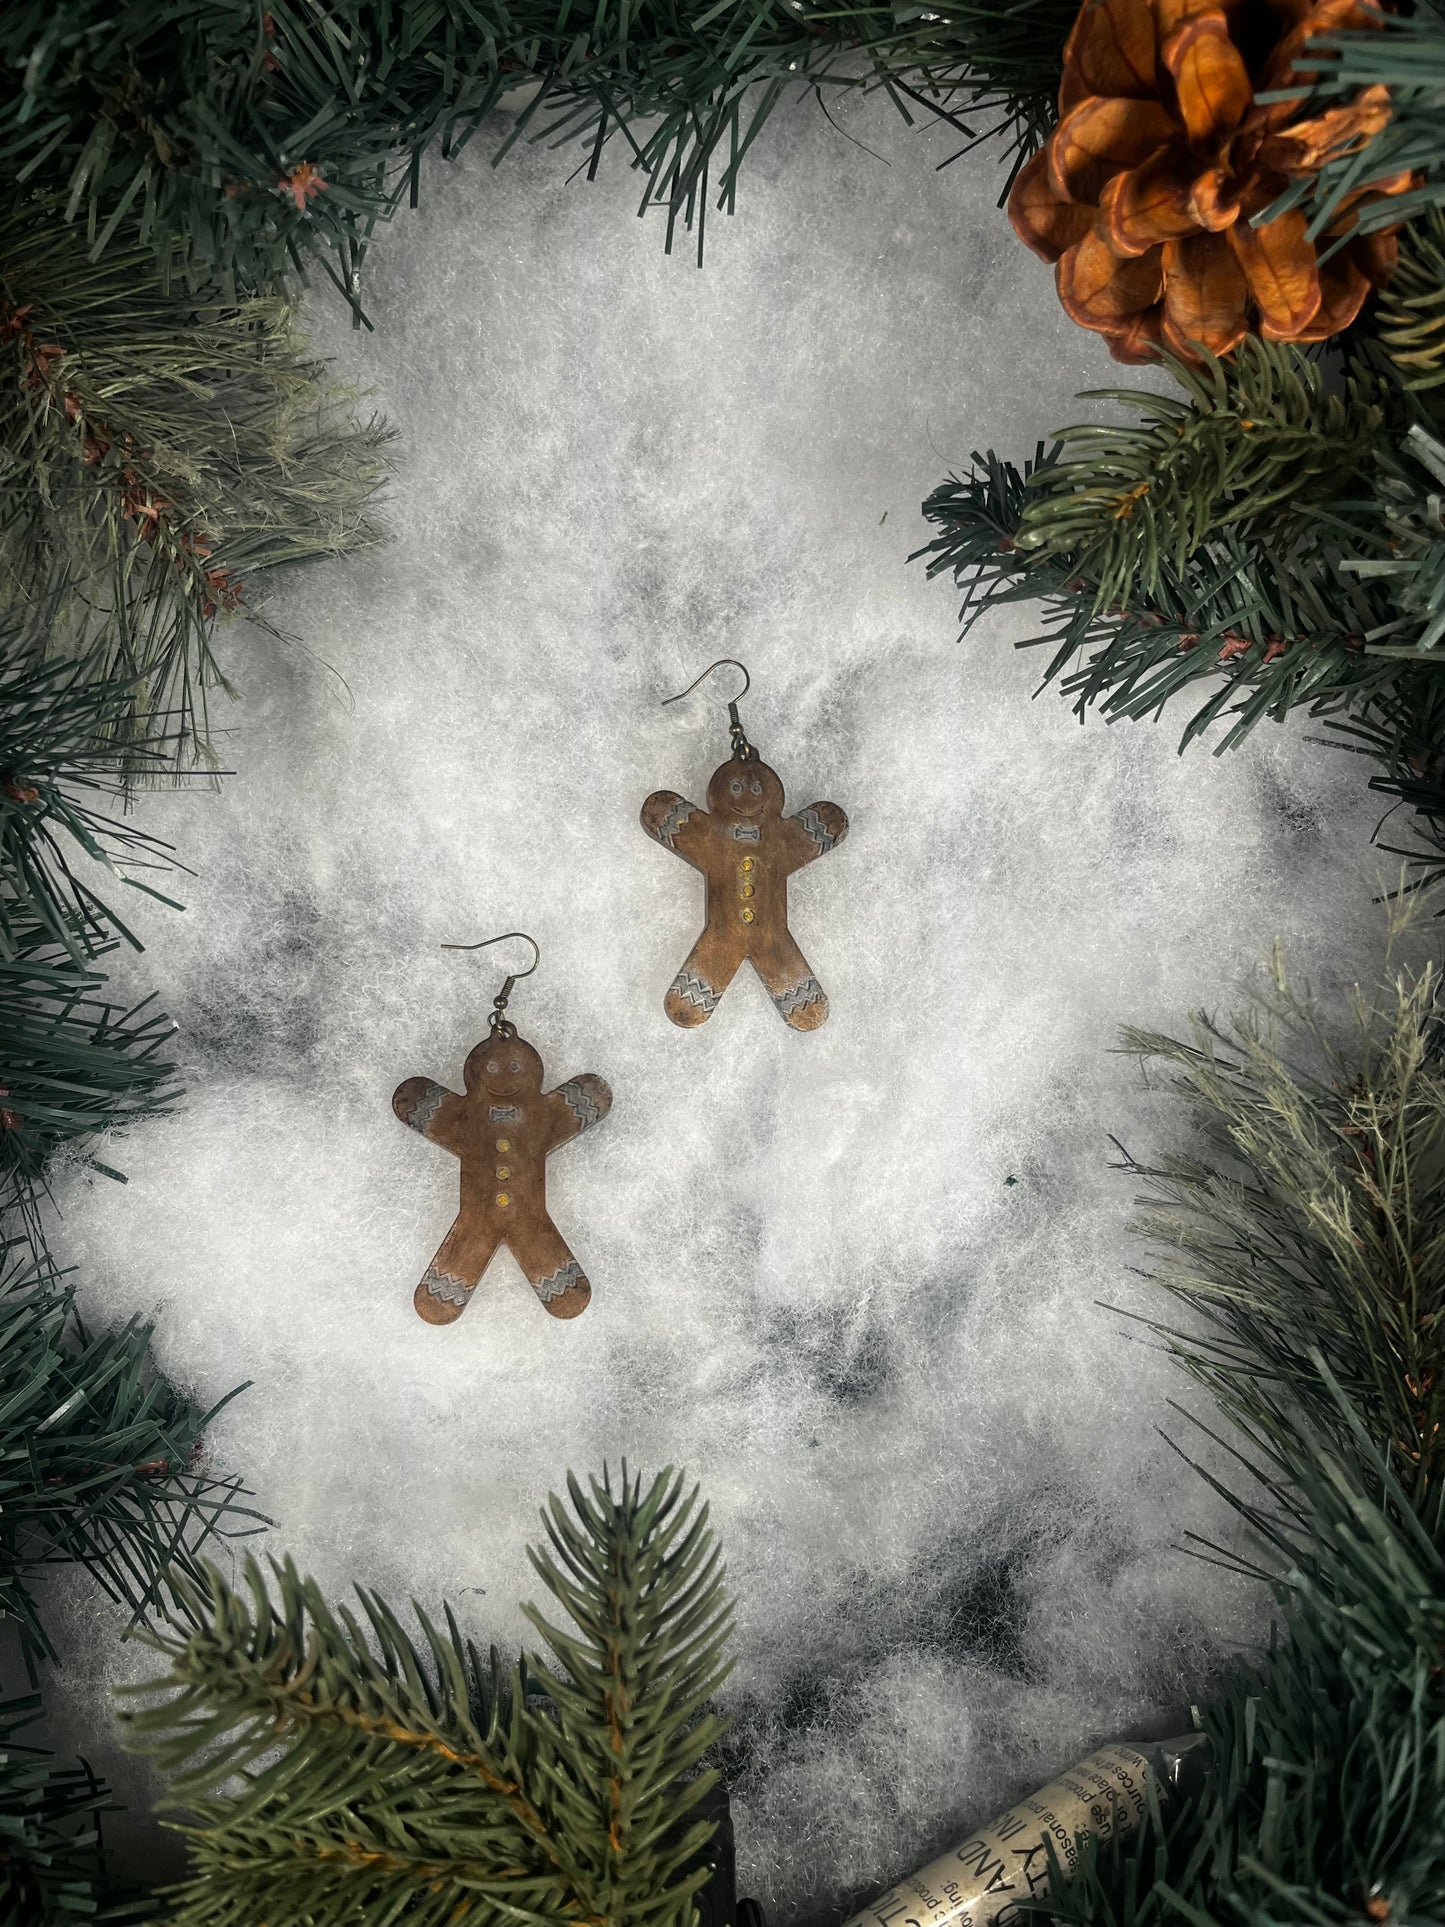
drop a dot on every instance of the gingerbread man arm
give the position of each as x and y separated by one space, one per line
574 1107
678 825
812 833
429 1108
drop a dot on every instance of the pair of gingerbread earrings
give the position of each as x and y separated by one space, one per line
505 1127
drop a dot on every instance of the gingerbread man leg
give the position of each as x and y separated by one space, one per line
790 983
696 991
454 1274
553 1272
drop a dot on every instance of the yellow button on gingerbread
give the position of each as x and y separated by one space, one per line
504 1144
502 1198
504 1171
747 914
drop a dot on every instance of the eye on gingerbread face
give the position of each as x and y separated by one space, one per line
745 789
503 1067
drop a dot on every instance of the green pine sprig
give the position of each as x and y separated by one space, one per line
100 1460
244 141
71 1064
1400 728
1257 623
1303 1242
1306 1237
1409 313
1325 1798
1253 440
53 1868
1402 526
336 1769
156 458
62 780
1264 540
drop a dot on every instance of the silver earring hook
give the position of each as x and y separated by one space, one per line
742 748
723 662
500 1026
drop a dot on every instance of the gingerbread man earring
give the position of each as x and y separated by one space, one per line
747 849
503 1130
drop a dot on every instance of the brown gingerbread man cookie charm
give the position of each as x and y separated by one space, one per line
503 1130
746 849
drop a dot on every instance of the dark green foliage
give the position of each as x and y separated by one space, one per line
1410 312
59 768
98 1457
999 60
1253 441
52 1869
1259 613
381 1778
99 1465
1306 1238
1296 562
1265 536
1305 1242
1401 728
1402 525
191 117
1326 1801
156 458
72 1064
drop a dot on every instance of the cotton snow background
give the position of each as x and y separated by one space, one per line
950 1526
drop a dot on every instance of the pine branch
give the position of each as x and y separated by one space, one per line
1263 620
263 139
1401 727
1402 524
1308 1239
1275 542
641 1576
52 1867
1409 316
58 764
71 1064
1326 1799
157 457
99 1458
1252 440
381 1777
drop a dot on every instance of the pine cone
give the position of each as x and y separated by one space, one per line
1145 192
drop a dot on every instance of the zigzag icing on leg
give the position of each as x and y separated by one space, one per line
806 991
563 1279
444 1288
697 991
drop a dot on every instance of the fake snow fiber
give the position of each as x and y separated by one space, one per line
848 1279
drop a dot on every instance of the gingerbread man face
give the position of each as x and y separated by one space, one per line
502 1131
746 790
502 1067
747 849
